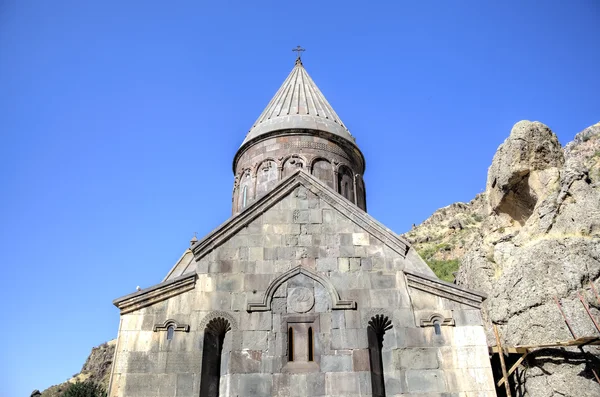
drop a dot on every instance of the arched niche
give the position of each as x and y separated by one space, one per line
267 176
292 164
361 196
346 182
244 190
336 302
378 325
322 169
212 349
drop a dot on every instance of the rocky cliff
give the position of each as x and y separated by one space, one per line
96 368
532 239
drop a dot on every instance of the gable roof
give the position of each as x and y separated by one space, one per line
283 189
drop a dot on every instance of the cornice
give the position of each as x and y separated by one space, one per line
445 290
155 294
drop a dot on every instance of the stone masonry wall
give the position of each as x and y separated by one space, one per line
304 230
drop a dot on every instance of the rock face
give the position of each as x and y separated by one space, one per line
538 240
96 368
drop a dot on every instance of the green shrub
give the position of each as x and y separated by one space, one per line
85 389
444 269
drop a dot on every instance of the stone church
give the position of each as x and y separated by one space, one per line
301 292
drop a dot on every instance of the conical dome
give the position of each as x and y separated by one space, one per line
298 104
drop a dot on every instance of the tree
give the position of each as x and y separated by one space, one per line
85 389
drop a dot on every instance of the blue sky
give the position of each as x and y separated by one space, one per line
119 122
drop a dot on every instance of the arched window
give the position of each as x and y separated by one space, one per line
244 196
170 332
436 327
290 344
311 356
214 334
375 331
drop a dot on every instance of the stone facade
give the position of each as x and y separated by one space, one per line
301 292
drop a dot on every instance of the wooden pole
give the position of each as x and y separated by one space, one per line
502 364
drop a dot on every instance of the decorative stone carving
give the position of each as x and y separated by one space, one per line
168 323
300 300
216 314
369 314
436 317
336 302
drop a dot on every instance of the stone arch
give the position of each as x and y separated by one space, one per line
346 182
212 348
336 302
323 170
266 176
216 314
171 323
245 193
291 163
377 327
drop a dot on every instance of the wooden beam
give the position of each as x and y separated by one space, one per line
512 369
502 364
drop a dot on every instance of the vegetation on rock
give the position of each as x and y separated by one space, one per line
85 389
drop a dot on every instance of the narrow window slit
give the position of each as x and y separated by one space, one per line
290 344
310 345
170 332
437 328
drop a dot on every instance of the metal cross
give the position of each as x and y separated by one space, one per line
299 50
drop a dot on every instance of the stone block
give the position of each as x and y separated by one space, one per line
464 357
467 336
245 361
183 362
327 264
341 384
322 299
256 385
354 264
271 364
336 363
342 339
256 321
360 238
343 265
185 384
425 381
395 384
305 240
380 280
255 253
279 306
469 379
259 282
467 317
338 319
229 282
387 298
238 301
315 216
360 360
416 358
315 384
255 340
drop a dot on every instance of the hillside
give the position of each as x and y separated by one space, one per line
96 368
531 239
